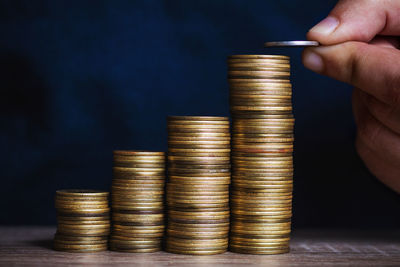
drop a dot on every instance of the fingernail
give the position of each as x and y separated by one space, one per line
313 61
326 26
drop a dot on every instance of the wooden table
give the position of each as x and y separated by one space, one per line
32 246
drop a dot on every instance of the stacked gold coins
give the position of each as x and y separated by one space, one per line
198 186
138 201
83 220
262 146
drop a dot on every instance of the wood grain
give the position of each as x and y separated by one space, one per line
32 246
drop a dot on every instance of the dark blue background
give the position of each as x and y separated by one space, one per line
82 78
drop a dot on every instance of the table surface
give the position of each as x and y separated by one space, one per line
32 246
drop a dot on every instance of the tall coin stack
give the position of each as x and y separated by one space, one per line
138 201
262 146
198 186
83 220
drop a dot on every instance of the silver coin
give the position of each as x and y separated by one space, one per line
291 44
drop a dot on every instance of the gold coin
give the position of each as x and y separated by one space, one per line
89 203
260 115
199 228
240 67
246 101
199 167
137 166
199 134
136 198
259 252
258 73
194 189
136 243
141 171
81 193
266 201
80 242
89 232
138 250
84 222
261 96
197 118
183 242
83 211
77 227
197 122
198 234
259 80
144 182
137 228
199 214
260 246
132 232
206 141
195 127
174 172
267 57
137 205
285 159
262 164
199 150
200 160
271 107
138 153
142 192
258 66
121 176
236 85
151 160
197 195
138 218
214 169
200 154
199 145
201 180
195 252
79 248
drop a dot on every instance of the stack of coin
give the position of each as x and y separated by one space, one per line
138 201
198 186
262 146
83 220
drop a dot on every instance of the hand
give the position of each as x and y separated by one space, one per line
360 48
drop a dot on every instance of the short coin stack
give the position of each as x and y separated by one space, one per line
138 201
262 146
83 220
198 186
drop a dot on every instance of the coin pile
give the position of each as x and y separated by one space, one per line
83 220
138 201
262 146
198 185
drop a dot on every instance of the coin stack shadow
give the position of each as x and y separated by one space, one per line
262 146
137 201
198 185
83 220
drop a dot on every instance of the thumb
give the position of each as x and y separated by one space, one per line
358 20
374 69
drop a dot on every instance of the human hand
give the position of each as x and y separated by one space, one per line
360 47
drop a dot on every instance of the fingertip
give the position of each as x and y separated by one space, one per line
312 60
323 29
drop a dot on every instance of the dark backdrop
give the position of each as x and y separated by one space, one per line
81 78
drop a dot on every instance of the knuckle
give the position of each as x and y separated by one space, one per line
357 57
